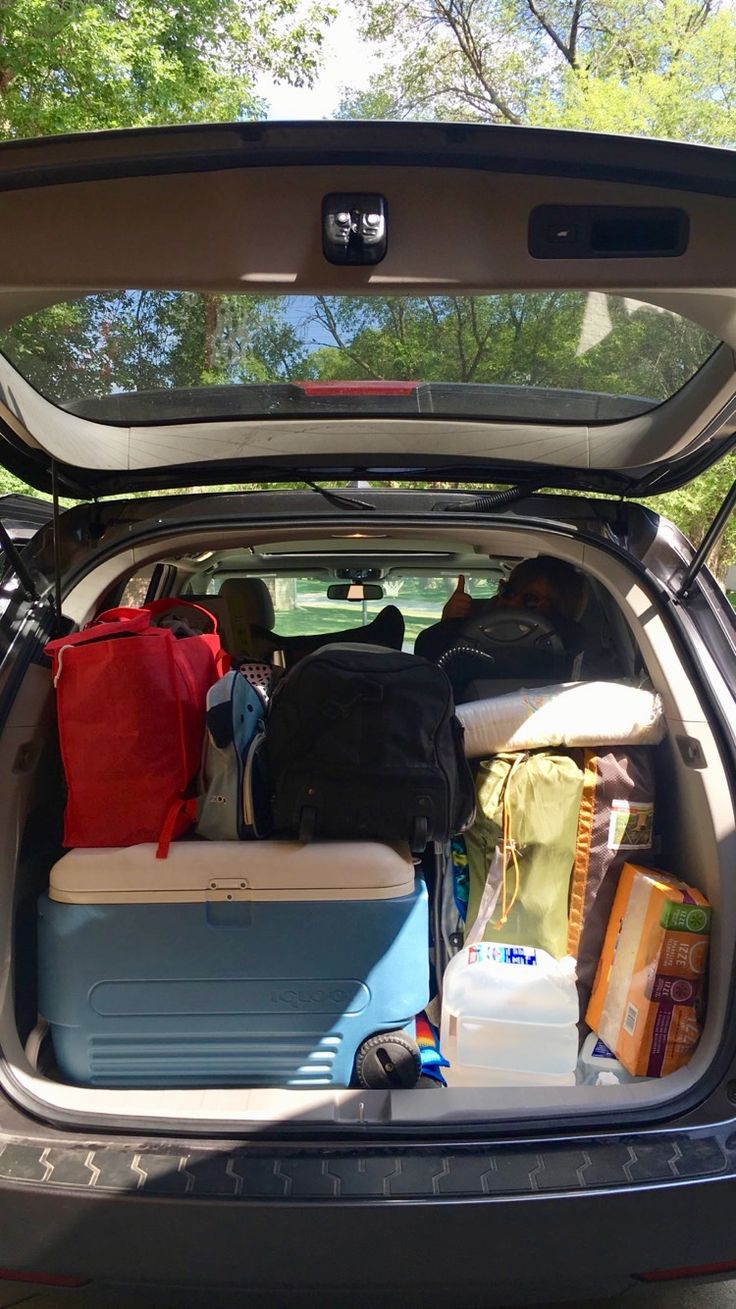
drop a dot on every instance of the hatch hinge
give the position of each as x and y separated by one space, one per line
709 542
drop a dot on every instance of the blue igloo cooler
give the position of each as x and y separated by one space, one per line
262 963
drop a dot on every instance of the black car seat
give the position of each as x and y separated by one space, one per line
503 649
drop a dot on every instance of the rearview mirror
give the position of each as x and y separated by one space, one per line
355 591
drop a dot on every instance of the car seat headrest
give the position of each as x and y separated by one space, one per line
249 600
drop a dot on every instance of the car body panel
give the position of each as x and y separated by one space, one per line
395 1221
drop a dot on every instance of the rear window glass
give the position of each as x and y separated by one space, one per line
167 356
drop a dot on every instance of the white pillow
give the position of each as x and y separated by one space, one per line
574 714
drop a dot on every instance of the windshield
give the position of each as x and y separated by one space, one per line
166 356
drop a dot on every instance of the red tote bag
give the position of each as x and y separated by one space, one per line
131 700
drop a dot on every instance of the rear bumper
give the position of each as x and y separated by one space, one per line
503 1225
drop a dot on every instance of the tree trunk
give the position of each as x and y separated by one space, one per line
283 590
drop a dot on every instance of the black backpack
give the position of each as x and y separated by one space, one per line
363 744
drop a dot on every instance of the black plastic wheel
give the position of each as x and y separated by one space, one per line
388 1061
419 834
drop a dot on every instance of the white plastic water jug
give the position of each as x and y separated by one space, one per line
509 1017
598 1066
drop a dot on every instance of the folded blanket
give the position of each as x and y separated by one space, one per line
572 714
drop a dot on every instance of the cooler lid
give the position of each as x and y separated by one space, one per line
198 871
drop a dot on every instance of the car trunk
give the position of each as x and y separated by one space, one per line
564 271
692 804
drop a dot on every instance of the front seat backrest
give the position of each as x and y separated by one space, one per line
249 605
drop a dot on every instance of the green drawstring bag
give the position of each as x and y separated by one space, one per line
521 848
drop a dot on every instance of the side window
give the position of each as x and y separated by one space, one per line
136 588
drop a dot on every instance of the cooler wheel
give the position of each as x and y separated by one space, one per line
388 1061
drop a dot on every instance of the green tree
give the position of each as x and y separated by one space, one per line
158 340
161 340
652 67
694 506
79 65
154 340
559 339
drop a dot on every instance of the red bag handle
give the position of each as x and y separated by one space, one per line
108 624
122 620
114 622
135 620
140 618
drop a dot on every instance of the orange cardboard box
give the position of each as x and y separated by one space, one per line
648 989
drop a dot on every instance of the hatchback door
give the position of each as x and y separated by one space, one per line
362 300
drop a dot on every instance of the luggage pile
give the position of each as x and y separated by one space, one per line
244 892
284 941
537 888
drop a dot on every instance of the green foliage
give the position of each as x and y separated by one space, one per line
694 507
653 67
558 339
81 65
134 341
154 341
10 484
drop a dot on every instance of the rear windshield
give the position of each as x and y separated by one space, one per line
168 356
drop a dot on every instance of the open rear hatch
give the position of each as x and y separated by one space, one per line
526 302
